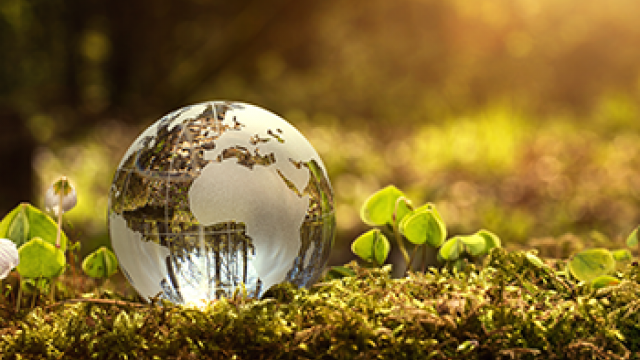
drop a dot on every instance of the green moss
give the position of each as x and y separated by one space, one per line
512 308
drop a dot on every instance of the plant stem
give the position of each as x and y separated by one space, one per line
35 294
58 235
73 271
52 290
396 231
398 238
424 259
413 255
19 295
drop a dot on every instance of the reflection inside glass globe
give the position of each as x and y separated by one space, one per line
216 196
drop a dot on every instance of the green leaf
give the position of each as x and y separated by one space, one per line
604 281
622 255
475 244
492 240
372 246
632 240
424 226
378 209
426 207
39 225
101 263
451 249
591 263
39 258
18 230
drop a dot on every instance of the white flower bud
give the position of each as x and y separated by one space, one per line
9 258
61 192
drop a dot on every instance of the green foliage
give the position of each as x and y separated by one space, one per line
40 259
491 240
384 206
422 227
372 247
515 306
452 249
592 263
43 245
595 266
100 264
18 229
26 222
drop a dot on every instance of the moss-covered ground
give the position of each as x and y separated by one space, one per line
510 308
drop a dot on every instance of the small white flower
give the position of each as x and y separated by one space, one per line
8 257
61 192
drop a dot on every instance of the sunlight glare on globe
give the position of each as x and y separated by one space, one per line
216 196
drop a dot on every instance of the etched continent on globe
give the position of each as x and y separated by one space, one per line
216 195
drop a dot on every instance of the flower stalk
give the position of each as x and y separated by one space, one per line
61 197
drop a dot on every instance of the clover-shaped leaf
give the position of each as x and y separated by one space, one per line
26 222
40 259
452 249
18 229
591 263
372 246
491 240
101 263
379 208
474 244
424 226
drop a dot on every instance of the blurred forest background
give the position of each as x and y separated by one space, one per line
518 116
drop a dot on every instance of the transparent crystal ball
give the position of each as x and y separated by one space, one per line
216 196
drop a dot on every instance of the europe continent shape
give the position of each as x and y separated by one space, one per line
216 196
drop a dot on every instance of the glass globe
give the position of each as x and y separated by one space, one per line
216 196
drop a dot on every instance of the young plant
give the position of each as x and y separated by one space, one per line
390 210
35 235
423 227
40 260
41 244
590 264
100 264
596 266
26 222
459 250
387 207
372 246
